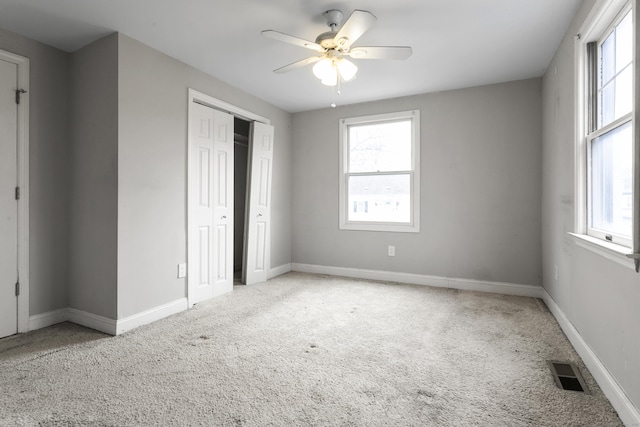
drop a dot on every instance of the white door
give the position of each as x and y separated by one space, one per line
257 251
8 203
223 202
210 203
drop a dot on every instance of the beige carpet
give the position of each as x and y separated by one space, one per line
307 350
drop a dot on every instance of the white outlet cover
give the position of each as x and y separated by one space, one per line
182 271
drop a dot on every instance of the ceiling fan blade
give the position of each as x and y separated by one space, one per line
298 64
277 35
358 22
380 52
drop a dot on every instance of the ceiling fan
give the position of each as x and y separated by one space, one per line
335 45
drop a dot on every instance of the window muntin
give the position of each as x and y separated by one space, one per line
379 172
610 144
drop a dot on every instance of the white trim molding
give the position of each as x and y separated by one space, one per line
419 279
204 99
49 318
280 270
93 321
148 316
610 251
104 324
627 412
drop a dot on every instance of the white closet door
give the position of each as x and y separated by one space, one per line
210 203
257 252
223 202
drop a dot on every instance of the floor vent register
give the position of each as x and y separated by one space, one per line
567 376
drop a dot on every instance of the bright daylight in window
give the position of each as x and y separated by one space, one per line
610 139
380 172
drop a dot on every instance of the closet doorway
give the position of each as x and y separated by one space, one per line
241 130
228 211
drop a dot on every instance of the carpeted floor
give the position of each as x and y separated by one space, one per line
307 350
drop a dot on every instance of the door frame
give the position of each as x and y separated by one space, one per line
217 104
23 183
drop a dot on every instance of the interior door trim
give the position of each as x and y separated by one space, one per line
23 182
195 96
201 98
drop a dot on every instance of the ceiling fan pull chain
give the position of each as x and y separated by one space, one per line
333 95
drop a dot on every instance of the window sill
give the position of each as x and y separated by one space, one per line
610 251
380 227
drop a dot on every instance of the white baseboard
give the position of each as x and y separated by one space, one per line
93 321
277 271
148 316
39 321
418 279
628 413
104 324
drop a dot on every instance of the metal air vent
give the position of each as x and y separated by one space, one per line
567 376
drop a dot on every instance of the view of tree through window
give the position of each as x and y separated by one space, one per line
380 147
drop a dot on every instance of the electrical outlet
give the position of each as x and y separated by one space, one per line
182 271
392 251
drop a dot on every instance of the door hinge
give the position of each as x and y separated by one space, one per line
17 289
19 93
17 193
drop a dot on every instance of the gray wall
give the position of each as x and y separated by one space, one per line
480 189
94 177
599 297
48 171
152 141
108 128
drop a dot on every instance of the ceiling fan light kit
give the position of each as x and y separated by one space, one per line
330 66
329 70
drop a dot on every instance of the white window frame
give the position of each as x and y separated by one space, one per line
413 226
598 25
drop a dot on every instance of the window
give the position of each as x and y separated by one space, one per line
380 173
609 132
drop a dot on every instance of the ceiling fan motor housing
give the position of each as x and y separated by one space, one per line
326 40
334 19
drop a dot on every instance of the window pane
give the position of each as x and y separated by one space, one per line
380 147
380 198
607 104
624 93
611 181
607 59
615 73
624 43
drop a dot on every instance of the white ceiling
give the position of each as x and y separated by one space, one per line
456 43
